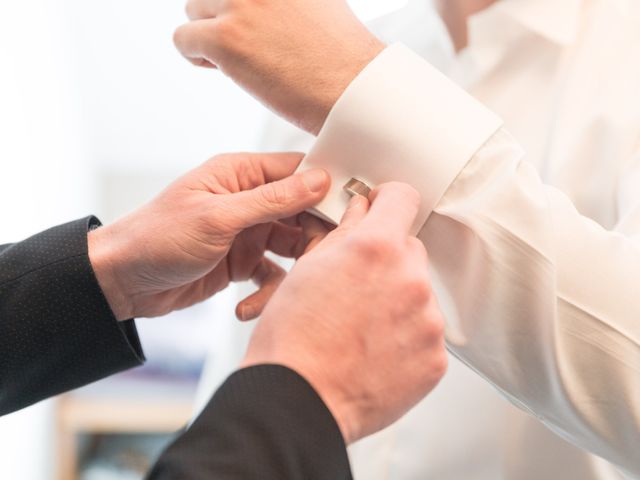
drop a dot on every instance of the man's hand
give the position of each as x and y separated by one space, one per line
357 317
205 230
296 56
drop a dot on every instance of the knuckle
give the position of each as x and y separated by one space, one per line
417 249
220 165
227 33
249 172
440 363
409 194
180 36
276 194
218 160
207 38
240 168
191 10
417 290
435 327
432 333
374 248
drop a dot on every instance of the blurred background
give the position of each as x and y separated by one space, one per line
97 114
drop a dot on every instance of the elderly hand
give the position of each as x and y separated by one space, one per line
357 318
296 56
205 230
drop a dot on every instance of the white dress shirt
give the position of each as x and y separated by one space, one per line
539 276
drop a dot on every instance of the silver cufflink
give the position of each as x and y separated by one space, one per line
357 187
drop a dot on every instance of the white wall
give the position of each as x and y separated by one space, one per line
43 179
91 90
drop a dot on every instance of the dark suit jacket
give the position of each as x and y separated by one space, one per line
57 333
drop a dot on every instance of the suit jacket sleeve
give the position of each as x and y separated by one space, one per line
57 331
265 422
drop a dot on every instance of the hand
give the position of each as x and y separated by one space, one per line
296 56
207 229
357 317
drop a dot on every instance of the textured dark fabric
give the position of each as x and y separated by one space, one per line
265 422
57 331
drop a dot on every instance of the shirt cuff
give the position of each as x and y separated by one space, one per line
399 120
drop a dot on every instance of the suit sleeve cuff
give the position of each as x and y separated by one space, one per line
129 343
265 421
115 346
55 313
400 120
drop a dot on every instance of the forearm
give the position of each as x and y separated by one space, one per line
57 330
399 120
545 299
265 422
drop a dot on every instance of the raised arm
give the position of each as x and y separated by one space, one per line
543 302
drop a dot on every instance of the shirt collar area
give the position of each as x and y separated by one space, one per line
555 20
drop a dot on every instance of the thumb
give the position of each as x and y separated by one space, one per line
280 199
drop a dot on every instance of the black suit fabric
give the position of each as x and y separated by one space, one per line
57 331
265 422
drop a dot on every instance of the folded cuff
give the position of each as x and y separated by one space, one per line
400 120
264 422
57 327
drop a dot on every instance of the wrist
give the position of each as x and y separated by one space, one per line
343 411
330 87
103 255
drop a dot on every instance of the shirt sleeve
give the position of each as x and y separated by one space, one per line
57 331
541 301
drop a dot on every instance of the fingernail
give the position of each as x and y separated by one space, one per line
315 179
356 201
247 312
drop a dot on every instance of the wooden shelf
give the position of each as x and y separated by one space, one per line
96 416
117 406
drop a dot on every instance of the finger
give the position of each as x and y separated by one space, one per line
296 221
276 166
276 200
314 231
285 240
291 221
355 212
202 62
394 208
353 216
196 41
255 169
199 9
268 275
418 251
